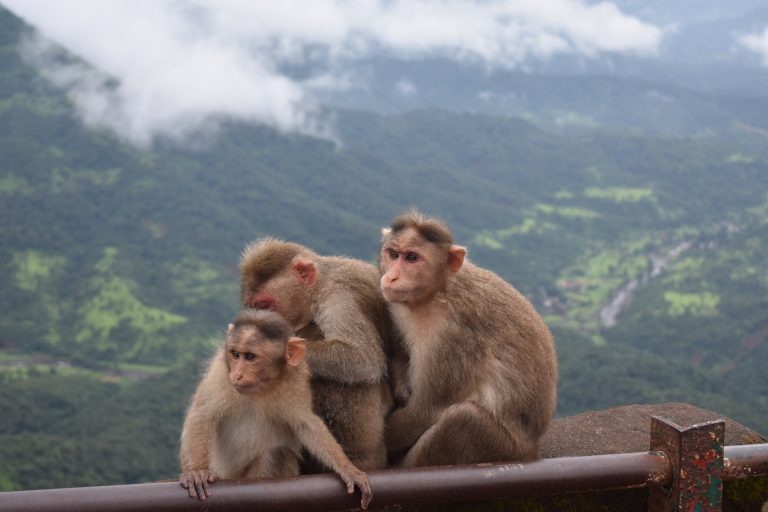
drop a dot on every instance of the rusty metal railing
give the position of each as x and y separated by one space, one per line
683 471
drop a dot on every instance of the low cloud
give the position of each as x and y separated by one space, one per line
164 68
757 43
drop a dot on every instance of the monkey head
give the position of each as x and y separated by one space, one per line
417 256
279 276
259 348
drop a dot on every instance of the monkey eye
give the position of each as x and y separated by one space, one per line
250 356
411 257
393 254
235 354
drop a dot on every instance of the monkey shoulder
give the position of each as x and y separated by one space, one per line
214 384
484 299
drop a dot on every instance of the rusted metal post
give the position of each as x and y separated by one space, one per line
696 455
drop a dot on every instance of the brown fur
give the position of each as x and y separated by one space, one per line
230 434
481 364
347 324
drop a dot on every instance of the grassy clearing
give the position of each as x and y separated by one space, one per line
12 184
33 268
695 304
621 194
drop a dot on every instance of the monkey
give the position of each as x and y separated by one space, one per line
252 412
479 361
335 303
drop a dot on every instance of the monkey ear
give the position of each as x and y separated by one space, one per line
305 271
229 328
456 254
294 351
385 232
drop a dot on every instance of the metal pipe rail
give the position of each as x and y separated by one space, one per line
418 486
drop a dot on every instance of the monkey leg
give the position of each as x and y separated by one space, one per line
355 416
465 433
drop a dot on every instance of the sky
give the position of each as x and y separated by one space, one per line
758 43
163 68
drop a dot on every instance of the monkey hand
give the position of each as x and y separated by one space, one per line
196 482
360 479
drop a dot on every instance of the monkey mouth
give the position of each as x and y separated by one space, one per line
263 303
395 294
246 389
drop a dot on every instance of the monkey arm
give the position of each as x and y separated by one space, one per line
352 350
194 454
316 437
196 436
203 416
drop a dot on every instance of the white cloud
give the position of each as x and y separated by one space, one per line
757 43
405 87
169 68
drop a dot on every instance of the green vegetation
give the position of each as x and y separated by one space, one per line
11 184
114 307
33 269
620 194
696 304
564 211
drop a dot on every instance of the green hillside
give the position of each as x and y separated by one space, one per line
119 265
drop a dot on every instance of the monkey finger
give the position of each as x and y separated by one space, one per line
366 490
350 485
206 487
187 481
201 492
200 487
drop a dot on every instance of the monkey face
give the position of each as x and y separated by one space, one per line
413 270
255 367
285 295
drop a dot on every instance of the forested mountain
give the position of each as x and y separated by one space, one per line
645 251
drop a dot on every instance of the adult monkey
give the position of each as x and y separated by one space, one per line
480 364
335 304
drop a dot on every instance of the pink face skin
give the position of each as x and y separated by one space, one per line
288 293
414 270
408 270
253 368
263 301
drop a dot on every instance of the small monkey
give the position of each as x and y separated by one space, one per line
336 305
479 362
252 412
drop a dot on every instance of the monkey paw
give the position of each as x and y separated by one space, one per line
196 482
359 479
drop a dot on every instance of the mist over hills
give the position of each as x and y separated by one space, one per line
119 261
703 78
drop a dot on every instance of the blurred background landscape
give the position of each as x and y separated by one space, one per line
610 160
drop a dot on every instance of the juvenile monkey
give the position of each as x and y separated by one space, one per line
480 362
252 412
334 303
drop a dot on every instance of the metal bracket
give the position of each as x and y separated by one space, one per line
696 455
